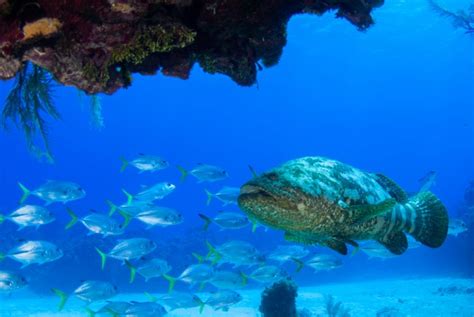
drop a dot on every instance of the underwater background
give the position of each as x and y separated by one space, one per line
396 99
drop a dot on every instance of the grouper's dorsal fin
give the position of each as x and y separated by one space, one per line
360 213
392 188
395 242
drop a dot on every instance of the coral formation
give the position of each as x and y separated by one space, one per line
96 45
44 27
279 300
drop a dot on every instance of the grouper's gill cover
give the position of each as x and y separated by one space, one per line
318 200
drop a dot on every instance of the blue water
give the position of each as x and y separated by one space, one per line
396 99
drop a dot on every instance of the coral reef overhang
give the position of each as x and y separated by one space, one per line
96 45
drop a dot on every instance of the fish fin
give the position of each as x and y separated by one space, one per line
21 227
24 265
395 242
430 225
199 257
355 245
209 197
133 271
124 164
63 297
89 312
207 221
129 197
244 277
73 219
26 193
299 264
361 213
213 252
336 245
184 173
200 303
126 218
103 258
252 171
392 188
113 207
49 202
171 280
254 225
151 298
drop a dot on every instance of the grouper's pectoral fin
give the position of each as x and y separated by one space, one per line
361 213
395 242
336 245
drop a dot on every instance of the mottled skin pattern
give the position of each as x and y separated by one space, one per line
318 200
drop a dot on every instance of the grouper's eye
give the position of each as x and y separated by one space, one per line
272 176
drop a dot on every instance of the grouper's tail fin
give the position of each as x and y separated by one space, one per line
429 224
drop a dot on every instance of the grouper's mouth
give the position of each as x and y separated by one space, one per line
251 189
258 203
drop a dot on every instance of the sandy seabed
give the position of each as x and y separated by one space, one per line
402 297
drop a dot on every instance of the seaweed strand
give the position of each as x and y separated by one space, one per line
31 97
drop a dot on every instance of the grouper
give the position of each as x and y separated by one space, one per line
316 200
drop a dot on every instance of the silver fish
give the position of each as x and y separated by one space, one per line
320 262
222 300
226 220
155 192
427 181
128 249
267 274
145 163
97 223
89 291
376 250
227 195
29 216
113 308
158 216
228 280
456 227
153 268
193 274
205 173
145 309
177 300
285 253
238 253
34 252
10 282
54 191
